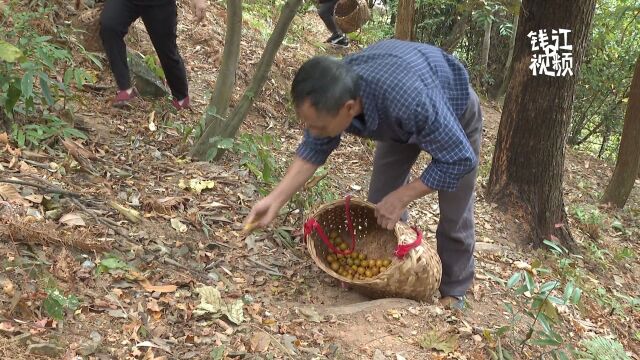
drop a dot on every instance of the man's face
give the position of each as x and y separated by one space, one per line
324 125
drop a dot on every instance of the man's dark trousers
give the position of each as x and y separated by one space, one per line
160 17
455 234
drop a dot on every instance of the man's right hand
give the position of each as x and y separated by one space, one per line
265 210
262 213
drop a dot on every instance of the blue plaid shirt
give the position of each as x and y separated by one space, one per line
411 93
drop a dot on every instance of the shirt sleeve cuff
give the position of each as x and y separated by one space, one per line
317 150
314 156
437 180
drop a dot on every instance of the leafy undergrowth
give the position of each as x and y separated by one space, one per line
116 246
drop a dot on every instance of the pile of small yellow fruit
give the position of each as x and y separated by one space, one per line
354 265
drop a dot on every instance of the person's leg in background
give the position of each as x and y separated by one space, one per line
326 10
161 21
116 17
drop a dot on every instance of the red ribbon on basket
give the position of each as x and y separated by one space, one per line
402 250
312 224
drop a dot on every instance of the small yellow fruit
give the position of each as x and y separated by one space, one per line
383 269
354 267
360 270
363 256
343 246
375 271
357 262
379 263
386 262
368 273
331 258
335 266
339 256
349 261
354 255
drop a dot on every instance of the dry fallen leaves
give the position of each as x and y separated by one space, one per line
129 214
157 288
7 327
72 219
260 342
7 287
196 185
434 340
9 193
178 225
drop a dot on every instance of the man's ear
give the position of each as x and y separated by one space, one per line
352 107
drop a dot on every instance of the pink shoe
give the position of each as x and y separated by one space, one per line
181 104
123 97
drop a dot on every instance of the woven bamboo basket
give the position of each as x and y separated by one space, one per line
350 15
415 270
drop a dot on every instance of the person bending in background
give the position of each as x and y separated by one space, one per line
160 18
326 10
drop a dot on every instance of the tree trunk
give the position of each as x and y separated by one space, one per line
486 45
628 163
229 127
225 83
508 68
404 21
606 135
457 33
526 173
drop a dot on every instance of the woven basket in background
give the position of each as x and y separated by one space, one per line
350 15
415 276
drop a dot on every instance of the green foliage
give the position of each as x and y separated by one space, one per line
56 303
603 88
36 77
625 253
262 15
318 193
588 216
376 29
567 263
218 143
154 64
536 307
37 133
590 220
601 348
109 263
256 155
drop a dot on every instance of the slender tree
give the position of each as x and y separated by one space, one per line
228 127
405 19
628 163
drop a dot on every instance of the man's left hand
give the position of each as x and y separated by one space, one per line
199 9
389 210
